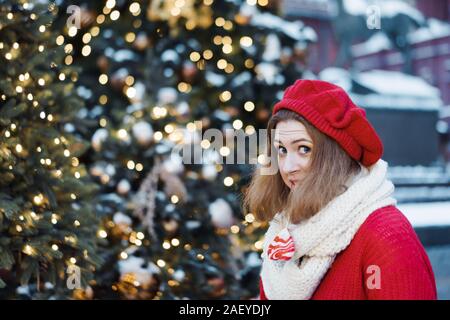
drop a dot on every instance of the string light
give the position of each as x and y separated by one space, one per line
222 64
169 128
100 18
249 106
122 134
135 8
227 48
87 37
250 218
130 164
129 80
237 124
194 56
228 25
258 245
166 245
86 50
19 148
115 15
220 22
246 41
234 229
217 40
55 247
157 135
229 68
95 31
42 28
60 40
130 37
249 63
225 96
102 233
72 32
228 181
140 235
175 242
110 4
227 40
207 54
174 199
161 263
41 82
139 167
76 223
68 60
131 92
200 257
224 151
205 144
27 249
75 161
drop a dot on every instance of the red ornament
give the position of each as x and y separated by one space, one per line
282 246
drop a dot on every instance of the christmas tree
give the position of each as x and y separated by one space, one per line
47 221
156 75
159 74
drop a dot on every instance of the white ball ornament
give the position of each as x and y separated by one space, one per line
221 214
123 187
98 138
143 132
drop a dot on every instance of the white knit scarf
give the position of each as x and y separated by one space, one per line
320 238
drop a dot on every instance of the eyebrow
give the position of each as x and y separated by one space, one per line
295 141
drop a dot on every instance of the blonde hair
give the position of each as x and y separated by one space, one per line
329 170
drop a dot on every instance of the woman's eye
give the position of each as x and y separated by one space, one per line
281 150
304 149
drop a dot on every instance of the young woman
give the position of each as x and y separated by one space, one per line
334 230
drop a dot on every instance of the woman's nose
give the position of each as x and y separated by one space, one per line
291 164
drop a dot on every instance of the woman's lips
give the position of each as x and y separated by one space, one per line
293 183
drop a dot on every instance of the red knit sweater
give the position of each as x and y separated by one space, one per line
385 260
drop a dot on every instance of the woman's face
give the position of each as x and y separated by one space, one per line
294 146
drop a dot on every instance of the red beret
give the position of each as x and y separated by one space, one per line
329 108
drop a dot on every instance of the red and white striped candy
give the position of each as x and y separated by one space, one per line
282 246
